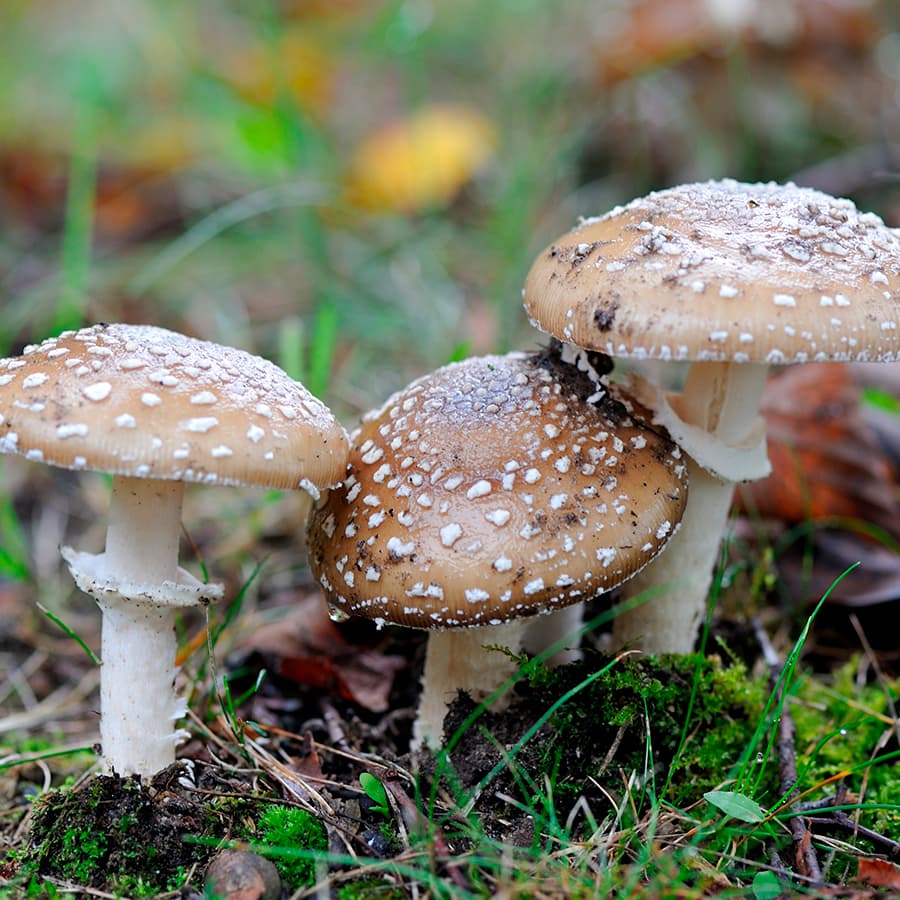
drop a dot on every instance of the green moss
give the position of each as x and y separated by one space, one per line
841 726
128 838
641 700
282 829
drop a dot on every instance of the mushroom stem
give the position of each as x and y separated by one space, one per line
678 579
144 529
544 632
138 643
138 586
137 693
716 413
456 660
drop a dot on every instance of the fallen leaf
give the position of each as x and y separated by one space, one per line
293 64
421 162
649 34
131 202
879 873
877 580
826 460
308 648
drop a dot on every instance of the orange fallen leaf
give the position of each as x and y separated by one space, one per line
293 63
826 460
879 873
421 162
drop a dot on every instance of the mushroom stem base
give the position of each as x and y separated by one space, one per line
137 693
678 579
456 660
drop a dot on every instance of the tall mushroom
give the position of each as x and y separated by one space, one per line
156 409
492 489
734 278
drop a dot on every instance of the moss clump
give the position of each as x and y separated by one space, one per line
125 836
638 701
287 828
593 721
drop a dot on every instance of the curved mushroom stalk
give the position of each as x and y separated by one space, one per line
715 419
139 588
459 660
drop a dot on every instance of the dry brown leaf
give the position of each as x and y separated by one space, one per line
826 460
131 202
310 649
652 34
879 873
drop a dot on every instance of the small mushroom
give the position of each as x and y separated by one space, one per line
156 409
493 489
734 278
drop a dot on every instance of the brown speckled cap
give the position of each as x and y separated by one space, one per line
141 401
490 490
721 271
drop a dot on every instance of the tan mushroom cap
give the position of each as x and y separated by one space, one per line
490 490
140 401
723 271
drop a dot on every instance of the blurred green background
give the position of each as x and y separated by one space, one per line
356 189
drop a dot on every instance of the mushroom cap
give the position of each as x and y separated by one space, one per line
141 401
491 489
719 271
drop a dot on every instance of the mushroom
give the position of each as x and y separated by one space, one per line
156 409
495 488
735 278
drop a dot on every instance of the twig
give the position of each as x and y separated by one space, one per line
837 818
613 750
807 862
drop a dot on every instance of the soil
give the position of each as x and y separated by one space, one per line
112 831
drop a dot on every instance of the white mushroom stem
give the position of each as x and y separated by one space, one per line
144 529
456 660
715 419
561 629
138 587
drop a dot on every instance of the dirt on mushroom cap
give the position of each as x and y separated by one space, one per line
489 490
143 401
725 271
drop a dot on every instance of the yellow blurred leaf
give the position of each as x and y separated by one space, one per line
421 162
293 63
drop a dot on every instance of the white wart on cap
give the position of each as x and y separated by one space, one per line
724 271
490 490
